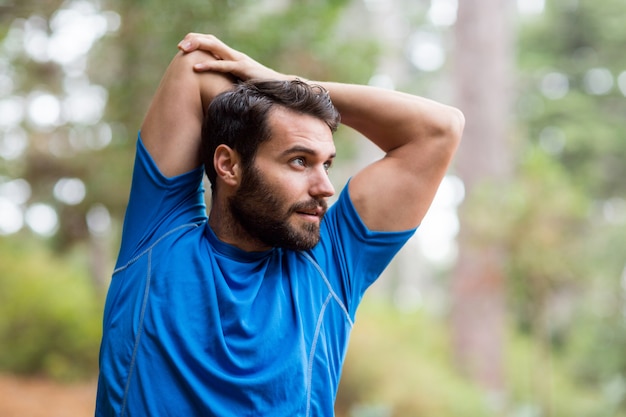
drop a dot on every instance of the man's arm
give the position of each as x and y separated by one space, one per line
419 138
172 127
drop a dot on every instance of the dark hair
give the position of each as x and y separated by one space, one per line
238 118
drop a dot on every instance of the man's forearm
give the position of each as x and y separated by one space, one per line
392 119
172 126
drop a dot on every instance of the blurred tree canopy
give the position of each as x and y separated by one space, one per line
569 204
562 220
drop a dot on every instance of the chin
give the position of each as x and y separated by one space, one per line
299 241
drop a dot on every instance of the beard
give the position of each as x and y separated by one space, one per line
257 208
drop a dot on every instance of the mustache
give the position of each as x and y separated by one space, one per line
311 205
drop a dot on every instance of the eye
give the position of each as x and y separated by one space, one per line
299 161
328 165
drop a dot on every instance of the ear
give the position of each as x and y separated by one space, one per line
227 165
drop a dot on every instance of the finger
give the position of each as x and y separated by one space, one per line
208 43
193 41
216 47
189 42
216 65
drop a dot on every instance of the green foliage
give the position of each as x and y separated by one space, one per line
543 238
565 214
596 337
541 382
401 364
573 38
537 218
50 314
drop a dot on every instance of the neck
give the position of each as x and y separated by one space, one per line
228 230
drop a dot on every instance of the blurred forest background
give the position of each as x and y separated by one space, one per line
510 300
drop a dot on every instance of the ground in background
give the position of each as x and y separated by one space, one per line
40 397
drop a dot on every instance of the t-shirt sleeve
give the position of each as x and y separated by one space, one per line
158 204
358 255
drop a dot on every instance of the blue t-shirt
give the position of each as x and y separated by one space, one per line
196 327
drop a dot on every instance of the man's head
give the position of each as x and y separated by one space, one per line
239 118
279 136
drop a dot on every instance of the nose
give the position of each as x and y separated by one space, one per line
321 185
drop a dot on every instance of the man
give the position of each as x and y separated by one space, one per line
248 312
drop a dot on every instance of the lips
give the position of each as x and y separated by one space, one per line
315 210
319 212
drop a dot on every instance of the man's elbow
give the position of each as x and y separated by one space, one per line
450 129
456 125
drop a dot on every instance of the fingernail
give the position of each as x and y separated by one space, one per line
184 45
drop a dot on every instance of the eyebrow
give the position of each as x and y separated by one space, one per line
298 149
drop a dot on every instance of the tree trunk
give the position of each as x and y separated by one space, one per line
482 71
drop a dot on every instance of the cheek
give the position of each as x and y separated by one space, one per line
294 189
288 186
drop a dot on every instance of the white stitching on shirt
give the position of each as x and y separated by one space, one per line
318 327
330 288
193 225
139 332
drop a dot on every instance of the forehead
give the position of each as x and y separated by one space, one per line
289 129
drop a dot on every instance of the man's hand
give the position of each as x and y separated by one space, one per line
227 60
